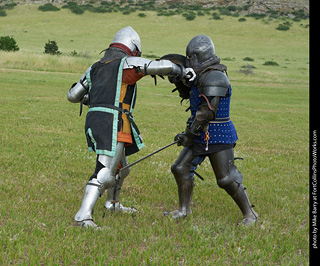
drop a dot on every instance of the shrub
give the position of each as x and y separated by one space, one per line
8 43
189 16
228 59
77 10
48 7
232 8
284 26
3 13
242 19
51 47
248 59
104 3
74 53
9 6
256 15
100 9
74 8
300 14
166 13
3 8
247 69
88 7
142 15
270 63
216 15
225 12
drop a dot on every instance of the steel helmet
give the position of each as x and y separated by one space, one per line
128 40
200 52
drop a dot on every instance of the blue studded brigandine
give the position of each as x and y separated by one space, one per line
210 122
221 129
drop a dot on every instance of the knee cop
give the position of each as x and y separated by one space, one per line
103 178
231 181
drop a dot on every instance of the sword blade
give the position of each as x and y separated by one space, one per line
147 156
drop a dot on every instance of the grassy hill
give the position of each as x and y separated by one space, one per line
45 163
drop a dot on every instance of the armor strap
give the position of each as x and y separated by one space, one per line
93 184
208 103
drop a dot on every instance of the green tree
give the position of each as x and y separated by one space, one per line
7 43
52 48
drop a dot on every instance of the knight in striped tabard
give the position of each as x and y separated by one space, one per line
109 88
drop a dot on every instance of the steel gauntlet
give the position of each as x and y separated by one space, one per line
186 138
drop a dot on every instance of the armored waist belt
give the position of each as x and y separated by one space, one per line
220 120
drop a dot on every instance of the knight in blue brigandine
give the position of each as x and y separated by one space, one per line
209 132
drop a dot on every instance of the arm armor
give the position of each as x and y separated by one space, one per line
149 67
200 123
79 89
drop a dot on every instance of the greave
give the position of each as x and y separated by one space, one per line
181 171
91 195
113 202
113 193
185 192
230 179
241 199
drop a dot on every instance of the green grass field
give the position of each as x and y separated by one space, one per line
45 163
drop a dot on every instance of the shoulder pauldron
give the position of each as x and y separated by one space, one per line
213 83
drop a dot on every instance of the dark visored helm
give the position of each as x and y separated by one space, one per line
200 52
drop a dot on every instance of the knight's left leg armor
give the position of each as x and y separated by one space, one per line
102 179
230 179
113 193
185 183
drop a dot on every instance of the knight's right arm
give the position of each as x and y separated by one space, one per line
79 89
161 67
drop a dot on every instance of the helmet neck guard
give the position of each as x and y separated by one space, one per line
124 48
